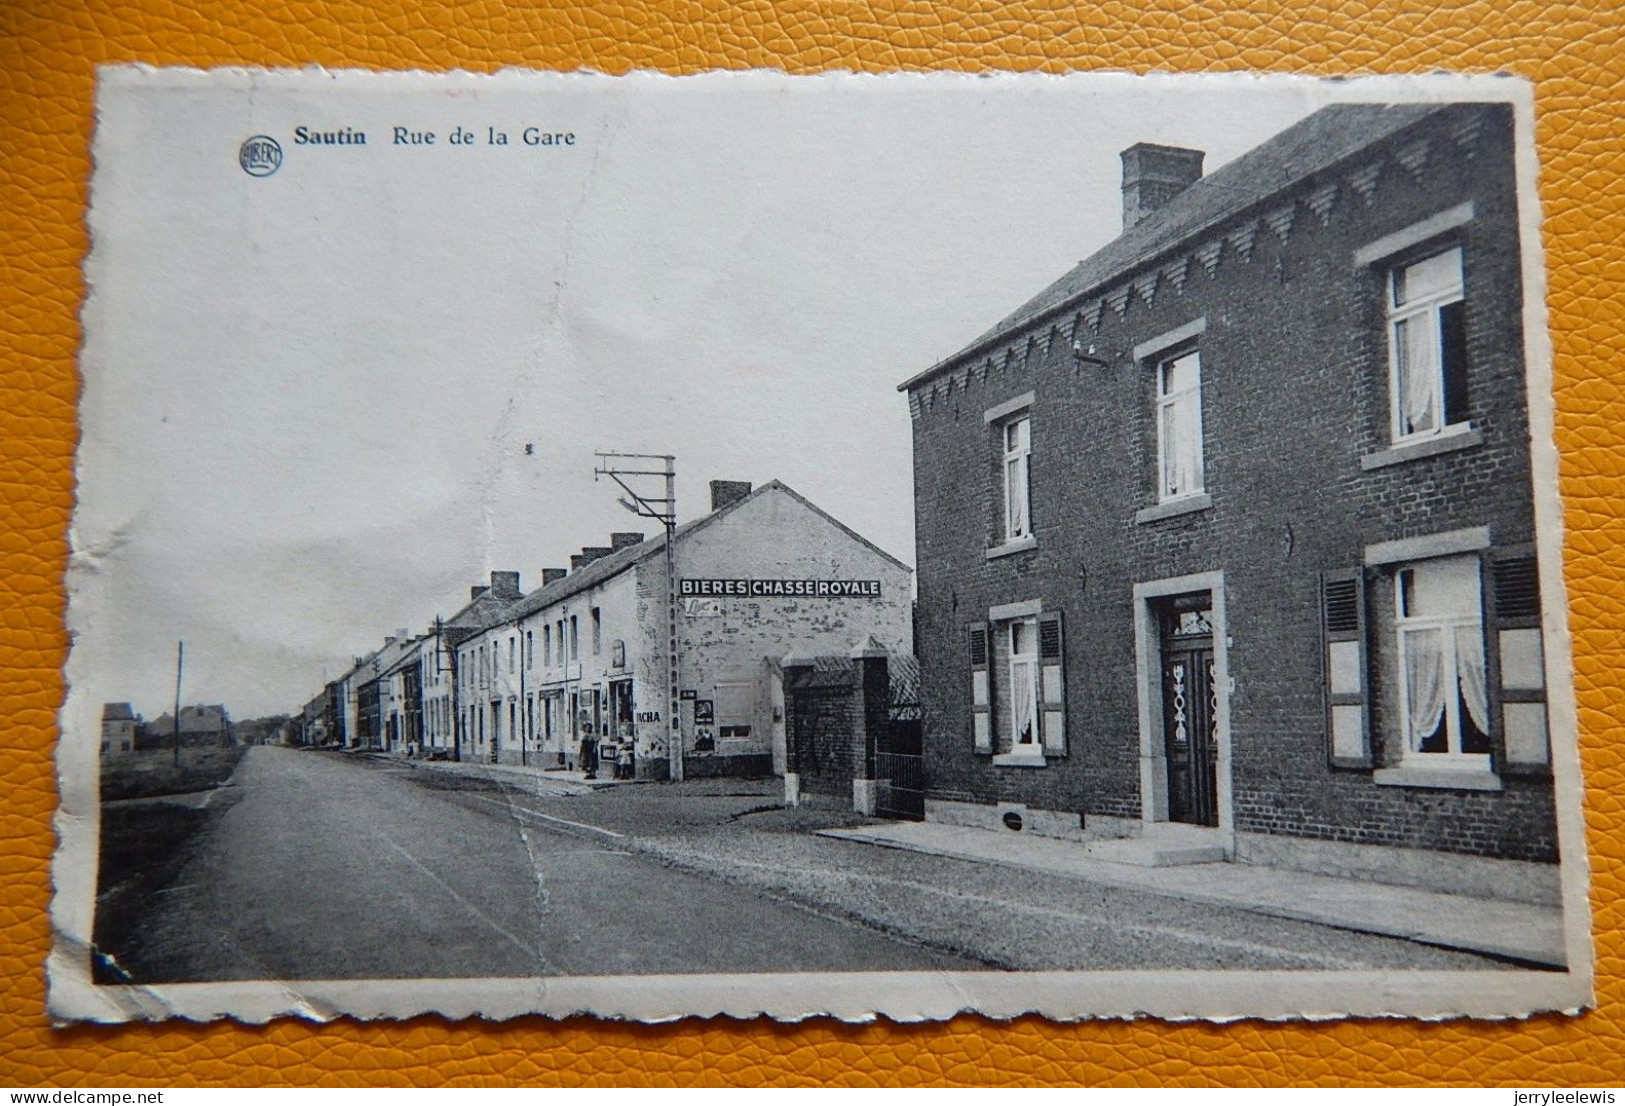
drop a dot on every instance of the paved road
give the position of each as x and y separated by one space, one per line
321 867
324 866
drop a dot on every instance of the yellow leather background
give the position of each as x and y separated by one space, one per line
47 53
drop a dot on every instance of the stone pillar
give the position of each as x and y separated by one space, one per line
871 693
794 668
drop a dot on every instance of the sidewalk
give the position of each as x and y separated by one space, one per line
1516 931
547 779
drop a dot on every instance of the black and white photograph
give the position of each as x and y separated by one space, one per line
816 546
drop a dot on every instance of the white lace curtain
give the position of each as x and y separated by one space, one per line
1424 682
1427 682
1418 352
1180 446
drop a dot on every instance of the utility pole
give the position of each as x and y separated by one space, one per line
180 658
620 467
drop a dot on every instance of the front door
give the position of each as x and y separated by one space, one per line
1189 703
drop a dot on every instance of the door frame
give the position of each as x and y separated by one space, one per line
1148 692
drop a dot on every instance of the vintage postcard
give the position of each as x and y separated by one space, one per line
829 546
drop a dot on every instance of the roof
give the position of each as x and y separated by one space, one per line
385 660
614 564
1304 149
196 719
406 652
118 712
485 609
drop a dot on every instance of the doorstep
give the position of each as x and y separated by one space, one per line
1515 931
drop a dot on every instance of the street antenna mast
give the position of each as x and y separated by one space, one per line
639 476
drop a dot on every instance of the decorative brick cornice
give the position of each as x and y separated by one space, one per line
1364 181
1361 177
1208 254
1175 272
1414 157
1322 201
1242 238
1280 221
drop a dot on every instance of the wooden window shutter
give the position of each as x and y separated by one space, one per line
1515 657
981 698
1051 684
1343 657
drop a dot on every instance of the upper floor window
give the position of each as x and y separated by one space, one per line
597 631
1018 521
1179 426
1427 345
1444 700
547 644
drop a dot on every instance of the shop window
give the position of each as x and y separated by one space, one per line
1427 346
735 710
1179 427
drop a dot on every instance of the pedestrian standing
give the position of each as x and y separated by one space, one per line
589 757
624 765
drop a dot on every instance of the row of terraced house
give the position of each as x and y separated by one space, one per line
582 662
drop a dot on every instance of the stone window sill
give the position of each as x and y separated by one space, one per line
1020 545
1450 440
1445 779
1186 505
1018 760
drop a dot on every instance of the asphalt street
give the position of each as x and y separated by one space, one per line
319 866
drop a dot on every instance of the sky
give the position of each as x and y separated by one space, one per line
307 396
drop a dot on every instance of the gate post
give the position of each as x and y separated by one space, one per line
871 699
792 667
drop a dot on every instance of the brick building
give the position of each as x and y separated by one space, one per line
1226 537
764 574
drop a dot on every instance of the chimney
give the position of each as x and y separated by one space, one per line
1153 175
576 561
550 575
476 591
727 492
591 553
624 540
505 585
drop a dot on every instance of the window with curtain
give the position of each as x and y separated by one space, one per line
1179 426
1024 686
1427 345
1444 699
1017 483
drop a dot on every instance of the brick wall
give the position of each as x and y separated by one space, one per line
1294 392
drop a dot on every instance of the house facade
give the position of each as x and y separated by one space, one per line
119 723
584 658
1227 536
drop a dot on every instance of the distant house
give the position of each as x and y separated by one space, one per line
119 723
200 726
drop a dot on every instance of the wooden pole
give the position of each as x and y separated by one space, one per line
180 659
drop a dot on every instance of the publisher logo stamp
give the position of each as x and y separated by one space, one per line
260 156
